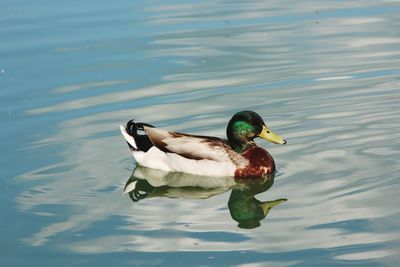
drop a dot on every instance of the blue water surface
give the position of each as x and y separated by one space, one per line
323 74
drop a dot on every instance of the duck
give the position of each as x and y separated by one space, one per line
237 156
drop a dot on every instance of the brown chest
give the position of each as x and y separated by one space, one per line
260 164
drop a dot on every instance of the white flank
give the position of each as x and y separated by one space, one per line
218 165
171 162
127 137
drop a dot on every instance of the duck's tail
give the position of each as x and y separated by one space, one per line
136 142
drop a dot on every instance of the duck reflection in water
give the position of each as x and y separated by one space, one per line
243 206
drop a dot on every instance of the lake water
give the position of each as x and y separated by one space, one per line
325 75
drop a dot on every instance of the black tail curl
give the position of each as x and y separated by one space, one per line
143 142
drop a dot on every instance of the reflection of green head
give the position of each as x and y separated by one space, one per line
248 211
245 208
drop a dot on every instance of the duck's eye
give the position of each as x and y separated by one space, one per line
268 132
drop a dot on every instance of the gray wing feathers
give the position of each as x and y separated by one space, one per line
189 146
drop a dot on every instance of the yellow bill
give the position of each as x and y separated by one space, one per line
269 135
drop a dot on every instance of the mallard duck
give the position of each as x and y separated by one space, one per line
236 156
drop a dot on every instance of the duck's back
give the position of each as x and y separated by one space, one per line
178 152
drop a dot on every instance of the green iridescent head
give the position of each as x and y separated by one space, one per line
244 127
